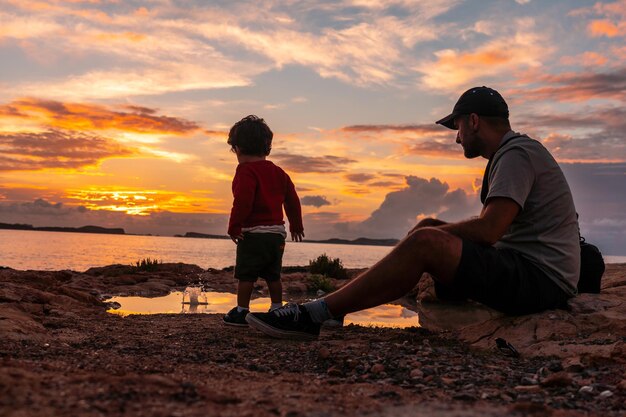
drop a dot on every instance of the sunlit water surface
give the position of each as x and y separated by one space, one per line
24 250
388 315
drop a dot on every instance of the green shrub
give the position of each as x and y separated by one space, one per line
147 264
320 282
329 267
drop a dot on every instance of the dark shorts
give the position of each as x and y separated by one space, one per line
503 279
259 255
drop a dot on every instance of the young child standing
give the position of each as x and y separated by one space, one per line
260 190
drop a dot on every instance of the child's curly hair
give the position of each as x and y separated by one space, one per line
252 135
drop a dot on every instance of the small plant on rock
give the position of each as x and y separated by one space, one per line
320 282
328 266
147 264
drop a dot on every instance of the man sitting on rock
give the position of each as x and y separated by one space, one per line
520 255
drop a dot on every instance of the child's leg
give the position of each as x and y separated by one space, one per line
276 291
244 292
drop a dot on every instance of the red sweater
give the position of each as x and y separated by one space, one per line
260 189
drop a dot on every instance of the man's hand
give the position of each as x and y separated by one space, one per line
236 238
427 222
297 237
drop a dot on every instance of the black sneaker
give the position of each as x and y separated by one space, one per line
291 321
236 318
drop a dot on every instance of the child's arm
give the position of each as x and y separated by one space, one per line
294 212
244 187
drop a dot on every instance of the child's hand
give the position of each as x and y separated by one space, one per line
297 237
237 238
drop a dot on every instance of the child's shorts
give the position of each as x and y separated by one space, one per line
259 255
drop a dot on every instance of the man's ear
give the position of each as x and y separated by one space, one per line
473 122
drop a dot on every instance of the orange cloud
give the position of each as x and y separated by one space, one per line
452 69
80 116
588 59
139 202
56 149
606 28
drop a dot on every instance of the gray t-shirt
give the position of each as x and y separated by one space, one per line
546 229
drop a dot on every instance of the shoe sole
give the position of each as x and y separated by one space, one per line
274 332
235 324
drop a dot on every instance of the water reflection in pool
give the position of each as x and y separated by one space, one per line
388 315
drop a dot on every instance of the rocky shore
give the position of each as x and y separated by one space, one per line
62 354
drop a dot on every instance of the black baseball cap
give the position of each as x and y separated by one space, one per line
483 101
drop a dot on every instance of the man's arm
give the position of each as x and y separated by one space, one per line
493 222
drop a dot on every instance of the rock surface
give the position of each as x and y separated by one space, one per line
61 353
593 328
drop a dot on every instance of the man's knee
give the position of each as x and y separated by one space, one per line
437 251
429 222
430 239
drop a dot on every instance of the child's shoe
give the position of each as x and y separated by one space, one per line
236 318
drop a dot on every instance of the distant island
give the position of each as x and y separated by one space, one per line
195 235
336 241
202 236
359 241
83 229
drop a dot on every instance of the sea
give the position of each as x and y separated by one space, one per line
51 251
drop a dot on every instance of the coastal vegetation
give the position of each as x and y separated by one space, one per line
147 264
329 267
318 282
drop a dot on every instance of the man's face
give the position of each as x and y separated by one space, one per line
467 136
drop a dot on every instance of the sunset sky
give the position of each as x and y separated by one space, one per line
115 112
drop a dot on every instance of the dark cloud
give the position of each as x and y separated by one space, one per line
218 133
323 216
56 149
400 209
601 136
418 129
358 190
85 116
37 207
41 212
359 177
140 109
315 201
598 147
575 86
321 164
384 184
435 149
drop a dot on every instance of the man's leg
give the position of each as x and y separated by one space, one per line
423 250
